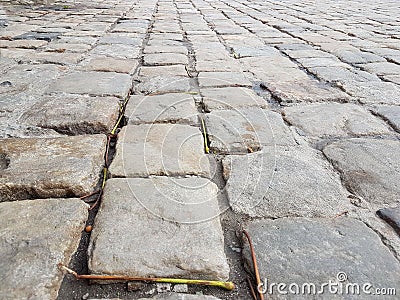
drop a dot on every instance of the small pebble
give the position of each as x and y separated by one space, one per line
163 287
181 288
88 228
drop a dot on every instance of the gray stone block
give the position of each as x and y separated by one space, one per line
283 182
175 222
160 149
35 236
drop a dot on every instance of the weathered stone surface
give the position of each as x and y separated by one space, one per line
109 64
73 114
368 168
300 251
167 108
246 130
382 68
172 70
93 83
334 119
159 59
34 237
173 296
390 113
231 98
117 51
282 182
159 211
160 149
53 167
392 216
218 66
163 84
215 79
375 92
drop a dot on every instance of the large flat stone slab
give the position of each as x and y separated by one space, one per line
34 237
334 119
391 113
74 114
93 83
298 251
167 108
231 98
160 149
369 168
50 167
175 222
282 182
221 79
246 130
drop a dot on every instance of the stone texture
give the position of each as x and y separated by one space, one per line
300 250
93 83
215 79
246 130
392 216
167 108
231 98
160 149
34 237
163 84
283 182
375 92
159 59
159 211
172 70
368 168
334 119
109 64
73 114
54 167
389 113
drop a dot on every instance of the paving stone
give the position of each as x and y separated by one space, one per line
231 98
221 79
392 216
166 49
392 78
167 108
53 167
246 130
368 168
284 181
26 44
159 59
173 70
334 119
93 83
109 64
382 68
34 237
174 296
117 51
390 113
160 149
116 39
159 211
163 84
300 251
74 114
218 66
357 57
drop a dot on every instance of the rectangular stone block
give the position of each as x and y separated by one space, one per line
93 83
175 222
246 130
52 167
167 108
221 79
35 236
160 149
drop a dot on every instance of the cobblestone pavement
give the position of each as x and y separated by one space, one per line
193 120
